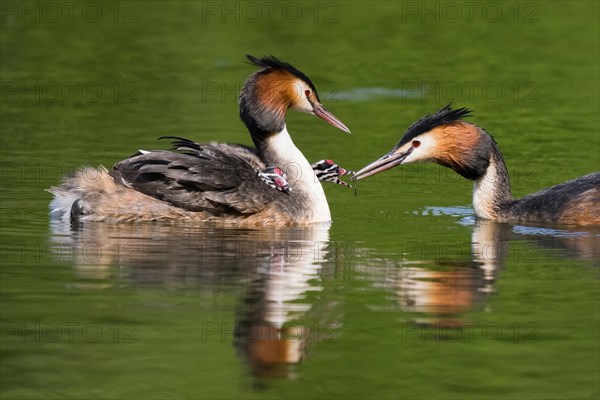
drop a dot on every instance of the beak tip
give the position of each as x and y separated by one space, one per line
340 126
386 162
321 112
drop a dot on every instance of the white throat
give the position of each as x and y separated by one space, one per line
484 192
300 175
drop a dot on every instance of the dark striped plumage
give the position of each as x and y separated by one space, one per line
328 171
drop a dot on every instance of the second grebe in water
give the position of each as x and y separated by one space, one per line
215 182
446 139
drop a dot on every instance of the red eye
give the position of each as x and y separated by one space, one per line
307 92
278 171
416 143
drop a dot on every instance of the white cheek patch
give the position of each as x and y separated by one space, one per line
299 100
303 105
425 150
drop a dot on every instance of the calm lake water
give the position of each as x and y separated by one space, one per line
405 295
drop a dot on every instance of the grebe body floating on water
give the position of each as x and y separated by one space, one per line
215 182
446 139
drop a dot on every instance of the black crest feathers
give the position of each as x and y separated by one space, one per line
428 122
273 63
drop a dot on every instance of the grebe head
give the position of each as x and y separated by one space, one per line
329 171
270 92
275 178
443 138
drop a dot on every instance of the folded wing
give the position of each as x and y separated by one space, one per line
216 178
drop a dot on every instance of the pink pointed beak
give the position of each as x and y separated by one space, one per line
386 162
321 112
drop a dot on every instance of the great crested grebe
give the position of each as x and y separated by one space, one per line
275 178
325 171
446 139
215 182
328 171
